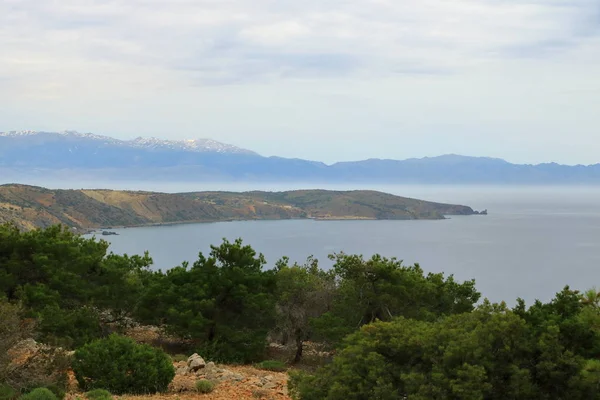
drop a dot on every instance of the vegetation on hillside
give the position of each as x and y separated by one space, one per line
396 331
121 365
34 207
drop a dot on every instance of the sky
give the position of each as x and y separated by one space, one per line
327 80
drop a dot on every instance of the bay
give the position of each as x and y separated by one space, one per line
534 241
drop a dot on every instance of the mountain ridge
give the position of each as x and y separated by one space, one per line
194 145
58 155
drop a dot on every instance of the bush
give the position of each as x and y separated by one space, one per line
272 365
204 386
7 393
57 389
122 366
99 394
39 394
490 353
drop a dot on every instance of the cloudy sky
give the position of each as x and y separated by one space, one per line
321 79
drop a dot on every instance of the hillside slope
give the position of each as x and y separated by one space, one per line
30 206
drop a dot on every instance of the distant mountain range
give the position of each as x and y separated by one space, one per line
71 153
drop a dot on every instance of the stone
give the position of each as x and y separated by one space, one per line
182 384
237 377
211 365
195 363
181 371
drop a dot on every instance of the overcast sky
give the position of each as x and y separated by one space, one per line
327 80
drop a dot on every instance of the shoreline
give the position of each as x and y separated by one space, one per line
89 231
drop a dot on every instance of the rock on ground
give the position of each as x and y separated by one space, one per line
231 382
195 362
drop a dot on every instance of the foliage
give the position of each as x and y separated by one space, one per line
7 392
39 394
98 394
59 390
62 279
490 353
224 303
303 292
122 366
272 365
69 328
204 386
401 333
380 289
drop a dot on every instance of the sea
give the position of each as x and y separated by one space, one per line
534 241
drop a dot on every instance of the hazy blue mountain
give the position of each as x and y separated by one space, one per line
101 157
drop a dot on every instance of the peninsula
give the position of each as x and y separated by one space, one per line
32 207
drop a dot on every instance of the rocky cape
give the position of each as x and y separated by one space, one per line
32 207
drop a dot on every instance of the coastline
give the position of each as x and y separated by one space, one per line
89 231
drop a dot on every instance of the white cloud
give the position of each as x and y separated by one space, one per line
448 61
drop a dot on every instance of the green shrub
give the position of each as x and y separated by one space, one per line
98 394
39 394
122 366
272 365
205 386
7 393
58 390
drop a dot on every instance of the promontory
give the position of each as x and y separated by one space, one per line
32 207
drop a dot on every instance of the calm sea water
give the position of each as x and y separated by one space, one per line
535 240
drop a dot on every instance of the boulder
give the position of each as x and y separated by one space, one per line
195 363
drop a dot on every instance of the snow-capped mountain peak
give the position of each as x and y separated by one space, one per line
196 145
192 145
